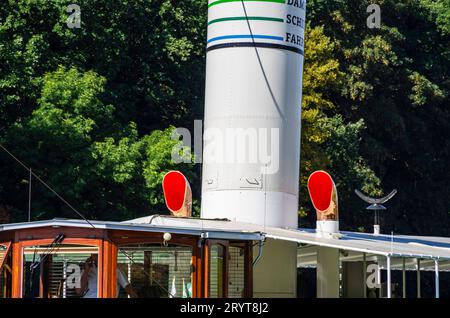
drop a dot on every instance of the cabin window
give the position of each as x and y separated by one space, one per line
217 270
59 271
236 271
156 271
5 270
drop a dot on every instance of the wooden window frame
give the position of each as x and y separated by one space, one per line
248 269
208 245
121 238
248 265
18 261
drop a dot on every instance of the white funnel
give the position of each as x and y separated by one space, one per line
253 111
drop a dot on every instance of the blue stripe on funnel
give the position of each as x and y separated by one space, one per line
246 36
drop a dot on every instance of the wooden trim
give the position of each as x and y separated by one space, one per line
69 241
109 285
17 271
8 250
121 237
197 263
248 270
103 270
225 270
206 252
114 251
6 236
43 233
17 264
100 270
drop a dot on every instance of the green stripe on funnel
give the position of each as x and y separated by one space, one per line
245 18
225 1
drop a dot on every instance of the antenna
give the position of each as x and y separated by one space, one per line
376 205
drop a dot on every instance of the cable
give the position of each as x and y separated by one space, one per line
34 264
260 62
50 249
59 239
47 186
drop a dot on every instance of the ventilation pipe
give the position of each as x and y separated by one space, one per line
324 197
177 194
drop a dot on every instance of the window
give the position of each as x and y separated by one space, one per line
5 270
55 271
236 272
156 271
217 270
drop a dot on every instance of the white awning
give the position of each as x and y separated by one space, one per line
355 244
187 228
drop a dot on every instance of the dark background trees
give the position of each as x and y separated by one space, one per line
396 79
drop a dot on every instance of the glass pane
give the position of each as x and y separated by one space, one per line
236 272
155 271
216 271
64 271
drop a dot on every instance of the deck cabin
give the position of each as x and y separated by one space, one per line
177 259
163 256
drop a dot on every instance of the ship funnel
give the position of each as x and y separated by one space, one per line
177 194
253 96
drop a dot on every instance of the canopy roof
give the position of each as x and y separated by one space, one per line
180 228
355 244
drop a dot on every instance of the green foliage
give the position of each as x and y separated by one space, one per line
396 80
72 142
159 148
424 91
439 11
150 52
328 142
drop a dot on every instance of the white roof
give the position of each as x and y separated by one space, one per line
397 246
188 228
385 245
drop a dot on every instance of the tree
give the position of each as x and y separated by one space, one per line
328 142
396 80
374 105
106 170
133 68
